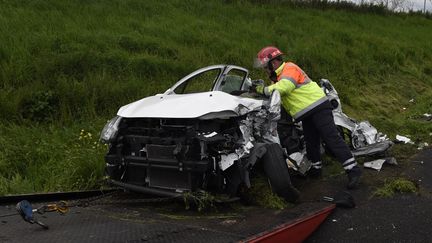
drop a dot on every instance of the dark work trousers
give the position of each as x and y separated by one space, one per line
320 125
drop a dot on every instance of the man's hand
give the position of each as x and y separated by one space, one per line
257 89
260 89
257 86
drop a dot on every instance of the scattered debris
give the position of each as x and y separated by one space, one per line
423 117
229 221
227 160
366 134
299 162
341 199
391 161
403 139
422 146
417 161
211 135
334 220
411 101
350 229
377 164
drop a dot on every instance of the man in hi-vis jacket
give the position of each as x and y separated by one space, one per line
305 101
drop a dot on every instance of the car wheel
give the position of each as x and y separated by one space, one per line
277 172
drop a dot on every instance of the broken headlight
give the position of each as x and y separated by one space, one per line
109 132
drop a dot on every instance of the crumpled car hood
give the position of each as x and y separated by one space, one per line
207 105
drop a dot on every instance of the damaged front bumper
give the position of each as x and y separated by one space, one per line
167 157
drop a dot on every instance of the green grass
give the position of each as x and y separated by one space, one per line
398 185
64 63
261 194
49 158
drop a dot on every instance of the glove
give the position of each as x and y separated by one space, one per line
259 89
258 82
257 86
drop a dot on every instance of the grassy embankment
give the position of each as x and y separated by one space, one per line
66 66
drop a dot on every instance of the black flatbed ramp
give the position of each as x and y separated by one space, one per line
129 221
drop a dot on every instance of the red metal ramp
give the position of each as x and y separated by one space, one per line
296 231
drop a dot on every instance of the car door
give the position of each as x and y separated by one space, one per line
233 79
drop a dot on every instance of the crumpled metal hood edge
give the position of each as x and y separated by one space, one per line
199 105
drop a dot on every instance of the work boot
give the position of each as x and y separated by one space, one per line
354 175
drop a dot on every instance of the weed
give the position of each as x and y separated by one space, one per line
399 185
40 106
201 200
262 195
44 158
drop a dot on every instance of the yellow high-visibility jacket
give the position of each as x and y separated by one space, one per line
299 94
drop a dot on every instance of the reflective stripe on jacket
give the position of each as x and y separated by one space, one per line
299 94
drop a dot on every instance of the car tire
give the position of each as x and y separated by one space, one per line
277 172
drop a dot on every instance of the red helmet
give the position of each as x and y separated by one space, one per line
266 54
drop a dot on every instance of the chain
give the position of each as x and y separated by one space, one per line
63 206
8 215
86 202
97 200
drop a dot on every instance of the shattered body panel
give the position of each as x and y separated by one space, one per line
365 139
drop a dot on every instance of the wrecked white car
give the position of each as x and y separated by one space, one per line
204 133
198 135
